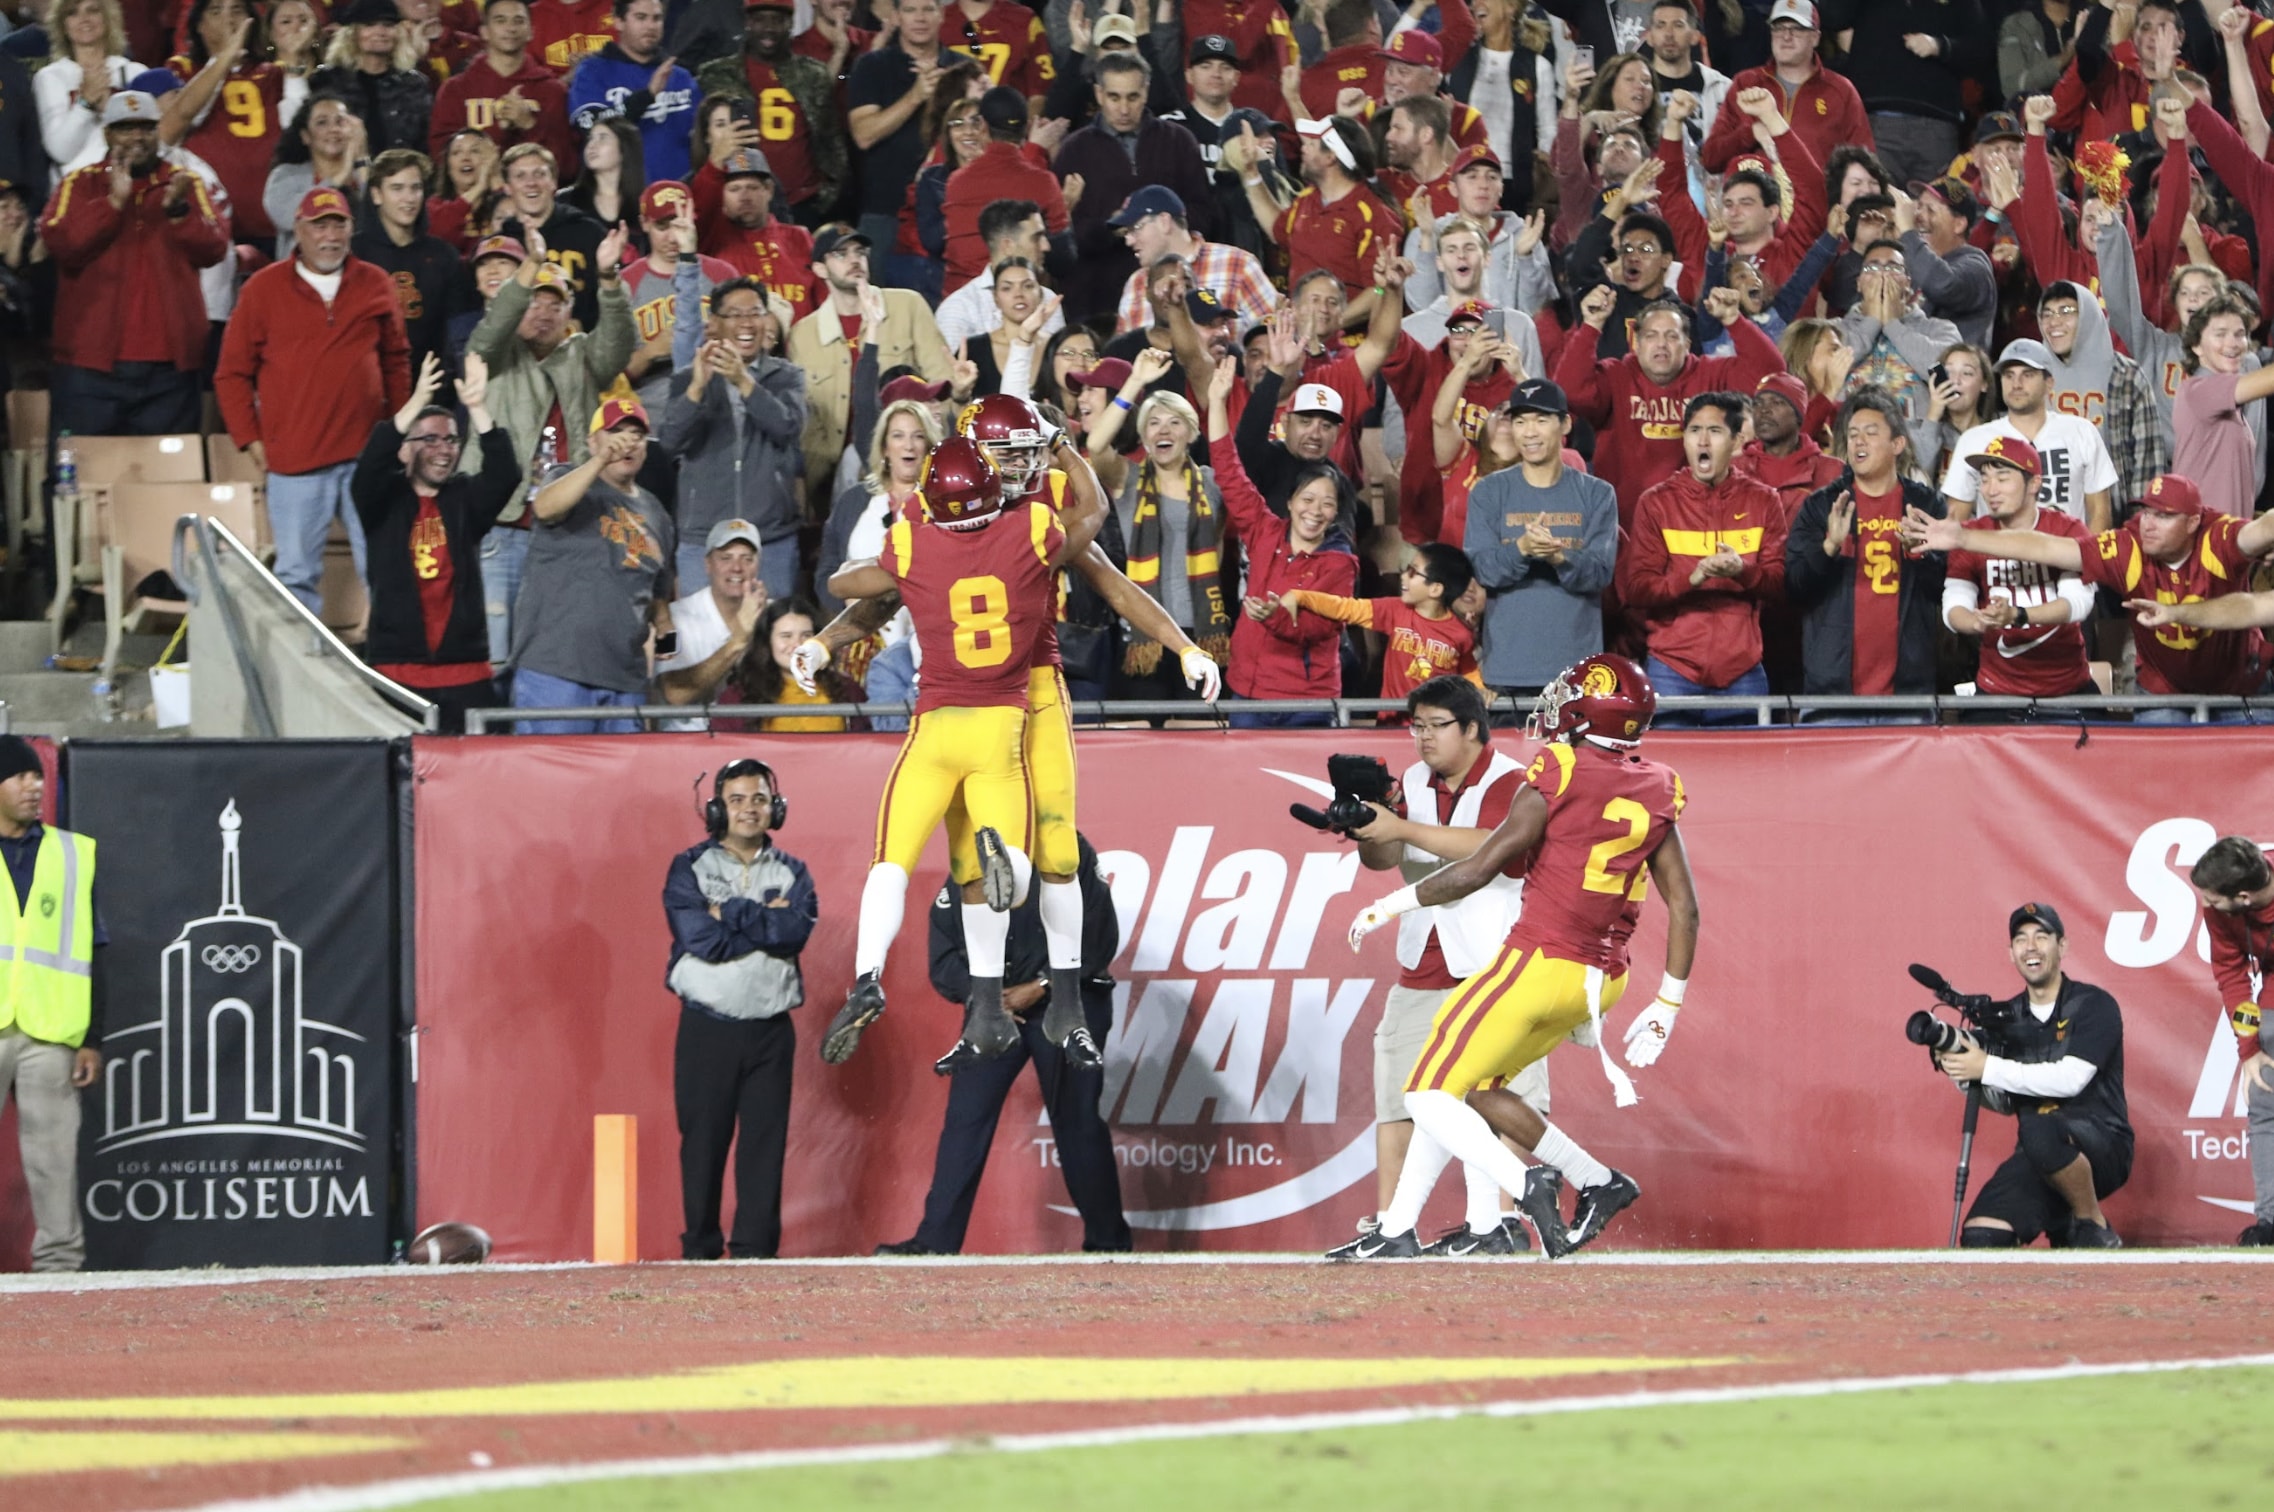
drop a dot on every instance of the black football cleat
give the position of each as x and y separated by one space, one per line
997 879
1598 1205
1379 1246
989 1031
1542 1208
2085 1234
1081 1052
908 1247
1464 1243
864 1005
2258 1234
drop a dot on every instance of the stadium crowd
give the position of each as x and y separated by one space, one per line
1875 349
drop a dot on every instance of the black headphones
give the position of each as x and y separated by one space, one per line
714 812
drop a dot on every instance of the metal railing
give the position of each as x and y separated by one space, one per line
211 535
1773 711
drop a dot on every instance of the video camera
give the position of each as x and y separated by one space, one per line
1991 1019
1358 781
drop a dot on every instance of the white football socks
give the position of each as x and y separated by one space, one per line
1462 1130
1425 1161
884 899
1483 1199
1062 924
986 934
1022 873
1556 1148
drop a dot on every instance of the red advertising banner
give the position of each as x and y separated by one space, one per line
1788 1111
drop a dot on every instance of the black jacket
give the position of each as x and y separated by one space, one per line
432 283
387 505
1166 154
1524 127
1891 77
1822 589
1027 956
394 105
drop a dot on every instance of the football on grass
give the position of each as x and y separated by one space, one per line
449 1244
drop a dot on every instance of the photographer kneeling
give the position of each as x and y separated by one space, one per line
2059 1062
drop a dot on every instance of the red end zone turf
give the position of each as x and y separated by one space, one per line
680 1352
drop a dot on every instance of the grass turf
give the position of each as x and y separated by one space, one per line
2183 1439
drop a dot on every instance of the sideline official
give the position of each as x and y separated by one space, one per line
51 1001
741 909
2061 1066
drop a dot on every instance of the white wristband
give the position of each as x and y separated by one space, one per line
1671 988
1405 900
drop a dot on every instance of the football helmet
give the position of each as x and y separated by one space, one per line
960 490
1604 698
1013 434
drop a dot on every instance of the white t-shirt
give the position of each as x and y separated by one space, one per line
2076 462
702 630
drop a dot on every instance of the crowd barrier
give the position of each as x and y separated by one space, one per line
1789 1110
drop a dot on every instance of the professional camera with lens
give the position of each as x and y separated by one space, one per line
1358 781
1989 1020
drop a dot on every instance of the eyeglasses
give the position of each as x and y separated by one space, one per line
1642 249
1434 726
434 440
2065 312
966 123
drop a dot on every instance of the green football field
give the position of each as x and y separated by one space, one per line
2181 1439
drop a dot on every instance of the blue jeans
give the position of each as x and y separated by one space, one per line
1319 720
301 508
1672 684
892 679
542 690
2253 716
505 551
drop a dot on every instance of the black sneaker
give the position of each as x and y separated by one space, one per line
1598 1205
997 879
2087 1235
989 1031
864 1005
1466 1243
1541 1206
908 1247
1082 1052
2258 1234
1378 1246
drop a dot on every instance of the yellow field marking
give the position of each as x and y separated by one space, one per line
867 1381
31 1451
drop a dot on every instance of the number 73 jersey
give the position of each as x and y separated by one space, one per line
1607 815
981 599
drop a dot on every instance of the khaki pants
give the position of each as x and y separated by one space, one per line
47 1121
1408 1015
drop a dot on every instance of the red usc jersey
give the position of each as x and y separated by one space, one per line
1342 237
562 31
2176 658
784 134
238 138
1607 816
980 599
1008 41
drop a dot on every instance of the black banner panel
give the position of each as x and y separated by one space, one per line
243 1116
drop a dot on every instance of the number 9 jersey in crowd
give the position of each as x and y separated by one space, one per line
983 599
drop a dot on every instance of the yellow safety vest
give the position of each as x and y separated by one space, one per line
47 957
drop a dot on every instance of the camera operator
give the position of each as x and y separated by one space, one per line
1455 795
2060 1059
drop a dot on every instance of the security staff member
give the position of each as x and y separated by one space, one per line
741 909
2062 1072
51 995
975 1097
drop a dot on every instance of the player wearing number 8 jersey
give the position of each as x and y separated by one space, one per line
979 580
1602 821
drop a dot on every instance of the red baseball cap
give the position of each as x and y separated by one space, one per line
324 203
1109 375
2174 493
908 386
498 246
2013 452
1415 46
1788 388
665 200
615 411
1469 310
1479 155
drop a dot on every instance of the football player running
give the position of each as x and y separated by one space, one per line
979 577
1602 820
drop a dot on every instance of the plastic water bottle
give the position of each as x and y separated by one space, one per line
66 466
105 699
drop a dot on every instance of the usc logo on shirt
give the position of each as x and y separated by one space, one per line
2090 405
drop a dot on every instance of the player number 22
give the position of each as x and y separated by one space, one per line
1600 878
980 607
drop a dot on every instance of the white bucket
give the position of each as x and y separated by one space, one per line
170 695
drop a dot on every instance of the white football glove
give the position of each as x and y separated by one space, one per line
1200 673
806 664
1379 912
1647 1035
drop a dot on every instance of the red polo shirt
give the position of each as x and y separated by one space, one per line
1005 170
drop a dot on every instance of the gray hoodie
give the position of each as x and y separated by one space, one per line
1896 357
2111 390
739 456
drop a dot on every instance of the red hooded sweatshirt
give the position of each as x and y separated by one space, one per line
1710 633
1276 657
1640 422
1794 477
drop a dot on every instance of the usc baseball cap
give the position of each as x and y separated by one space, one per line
498 246
1470 312
665 200
1316 399
1416 47
2009 451
2039 914
615 411
324 203
1479 156
2173 493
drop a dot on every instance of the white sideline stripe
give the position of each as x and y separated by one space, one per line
402 1493
98 1281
